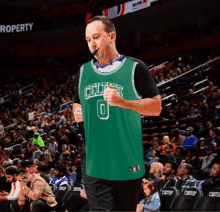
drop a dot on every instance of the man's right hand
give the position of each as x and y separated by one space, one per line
78 115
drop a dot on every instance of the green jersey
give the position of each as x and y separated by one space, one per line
113 135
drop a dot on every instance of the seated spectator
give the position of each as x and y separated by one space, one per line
213 138
11 176
166 141
157 170
169 172
42 170
149 175
185 180
207 162
179 155
36 152
60 176
192 159
38 140
52 145
168 156
64 151
190 140
153 157
155 143
39 193
214 180
178 138
201 147
151 202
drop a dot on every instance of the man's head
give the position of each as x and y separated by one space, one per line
189 131
169 148
191 153
52 139
64 147
215 171
60 171
184 170
170 168
212 132
11 174
36 134
101 36
209 150
166 139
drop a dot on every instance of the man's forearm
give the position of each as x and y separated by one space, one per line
146 107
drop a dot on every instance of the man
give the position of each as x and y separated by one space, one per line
11 176
207 163
190 140
53 145
213 139
168 155
178 138
64 151
166 142
186 180
108 101
37 190
214 181
193 159
60 176
170 169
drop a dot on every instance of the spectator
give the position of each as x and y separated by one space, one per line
192 159
157 170
169 172
166 142
52 146
37 191
190 140
38 140
64 151
152 199
213 139
179 155
214 180
168 156
178 138
185 180
155 143
149 175
60 176
11 176
206 163
42 170
153 157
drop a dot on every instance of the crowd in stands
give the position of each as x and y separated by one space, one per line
181 147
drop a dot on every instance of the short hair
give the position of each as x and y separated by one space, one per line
11 171
61 168
193 151
147 166
189 167
107 23
173 164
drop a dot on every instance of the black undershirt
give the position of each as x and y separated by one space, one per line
144 82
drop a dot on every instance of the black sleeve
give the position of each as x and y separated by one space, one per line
144 82
76 97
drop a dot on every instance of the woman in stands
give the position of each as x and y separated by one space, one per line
151 202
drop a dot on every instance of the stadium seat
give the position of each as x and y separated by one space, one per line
61 194
53 187
188 200
211 201
168 197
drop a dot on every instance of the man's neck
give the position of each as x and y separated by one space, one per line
59 178
168 177
108 60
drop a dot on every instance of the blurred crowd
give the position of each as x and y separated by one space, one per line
182 155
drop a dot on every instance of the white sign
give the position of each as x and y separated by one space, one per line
16 28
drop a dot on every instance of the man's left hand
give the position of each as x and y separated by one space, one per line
112 96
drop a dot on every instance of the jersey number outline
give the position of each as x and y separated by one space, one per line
102 109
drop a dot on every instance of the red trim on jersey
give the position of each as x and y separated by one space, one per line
122 12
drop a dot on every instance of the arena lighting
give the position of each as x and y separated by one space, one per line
16 28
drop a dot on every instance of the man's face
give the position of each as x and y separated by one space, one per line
167 169
181 170
165 139
98 39
10 178
56 173
168 150
63 148
215 171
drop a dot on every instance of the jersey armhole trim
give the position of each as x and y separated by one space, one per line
80 78
132 79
